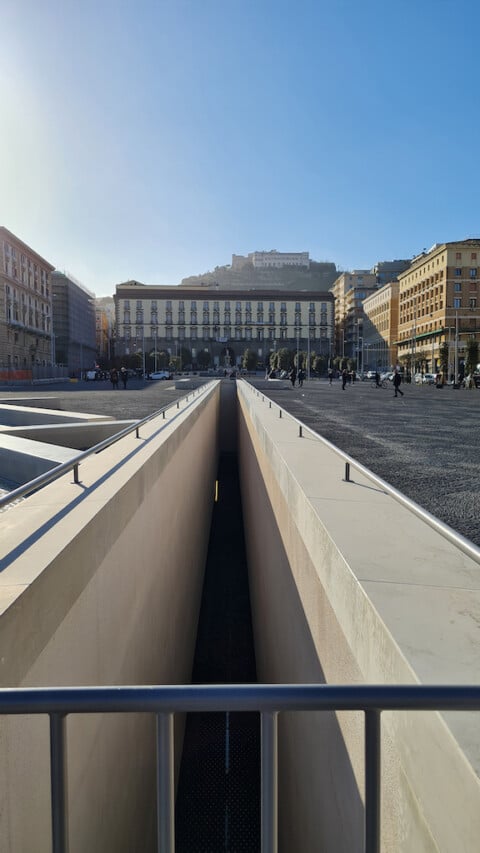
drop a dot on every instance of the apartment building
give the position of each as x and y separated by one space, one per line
73 324
387 271
216 327
380 327
349 290
25 307
439 304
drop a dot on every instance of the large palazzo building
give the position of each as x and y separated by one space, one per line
222 323
439 303
380 328
25 308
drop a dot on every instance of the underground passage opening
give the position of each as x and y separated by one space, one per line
218 798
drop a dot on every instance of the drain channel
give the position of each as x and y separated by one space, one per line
218 799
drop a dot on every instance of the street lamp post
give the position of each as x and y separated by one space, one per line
455 368
308 355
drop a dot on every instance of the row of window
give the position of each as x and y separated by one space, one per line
225 304
26 310
208 334
18 266
473 271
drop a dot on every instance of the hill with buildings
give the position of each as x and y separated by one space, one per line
318 276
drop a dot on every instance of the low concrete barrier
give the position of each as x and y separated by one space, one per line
339 596
18 415
77 435
100 583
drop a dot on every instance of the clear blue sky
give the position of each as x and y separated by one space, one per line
150 140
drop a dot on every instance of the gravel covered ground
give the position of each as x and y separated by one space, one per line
425 443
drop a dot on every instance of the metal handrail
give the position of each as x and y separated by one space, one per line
267 699
441 527
73 464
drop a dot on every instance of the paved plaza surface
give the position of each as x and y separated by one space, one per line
139 399
426 443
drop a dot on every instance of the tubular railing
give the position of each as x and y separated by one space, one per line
74 464
445 530
269 700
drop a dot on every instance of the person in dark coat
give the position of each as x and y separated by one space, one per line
293 376
344 378
124 376
397 381
114 377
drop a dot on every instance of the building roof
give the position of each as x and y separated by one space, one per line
134 289
13 237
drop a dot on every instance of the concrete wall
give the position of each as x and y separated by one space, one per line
338 596
100 583
77 435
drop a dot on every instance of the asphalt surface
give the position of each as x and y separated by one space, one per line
425 443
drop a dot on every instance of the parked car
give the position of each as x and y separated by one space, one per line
92 375
160 374
429 379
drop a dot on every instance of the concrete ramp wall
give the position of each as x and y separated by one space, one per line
347 586
100 583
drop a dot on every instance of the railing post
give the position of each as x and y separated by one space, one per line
269 805
75 474
300 431
165 785
372 781
347 472
137 431
58 783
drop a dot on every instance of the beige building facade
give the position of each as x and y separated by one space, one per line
439 305
380 327
221 323
25 308
349 291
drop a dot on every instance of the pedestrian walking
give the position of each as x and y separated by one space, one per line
293 376
114 377
301 377
397 381
124 376
344 378
377 379
330 375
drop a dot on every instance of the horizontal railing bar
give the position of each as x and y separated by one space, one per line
441 527
49 476
239 697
